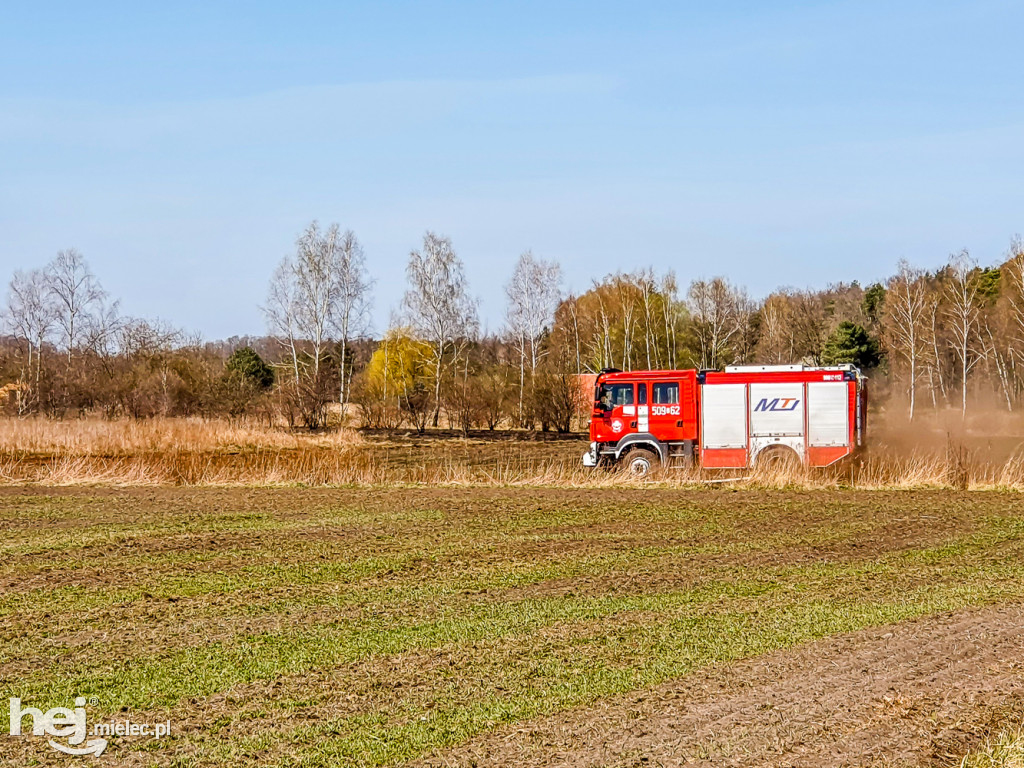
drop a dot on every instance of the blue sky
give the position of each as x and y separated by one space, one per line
183 146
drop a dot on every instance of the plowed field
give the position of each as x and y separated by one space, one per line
515 626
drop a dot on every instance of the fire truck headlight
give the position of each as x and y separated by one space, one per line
590 457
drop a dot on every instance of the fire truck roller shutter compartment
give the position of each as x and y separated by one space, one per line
777 417
776 410
724 425
828 413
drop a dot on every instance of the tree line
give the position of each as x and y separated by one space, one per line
944 338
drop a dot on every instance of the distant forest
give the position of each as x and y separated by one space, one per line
942 339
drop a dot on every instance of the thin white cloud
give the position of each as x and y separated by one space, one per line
310 112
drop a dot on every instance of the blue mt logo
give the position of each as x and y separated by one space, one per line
777 404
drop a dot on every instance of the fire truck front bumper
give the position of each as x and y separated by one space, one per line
590 457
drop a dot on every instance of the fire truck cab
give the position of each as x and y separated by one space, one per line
743 416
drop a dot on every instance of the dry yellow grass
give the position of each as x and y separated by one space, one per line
1003 751
214 452
101 437
353 466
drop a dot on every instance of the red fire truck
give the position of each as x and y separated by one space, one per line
743 416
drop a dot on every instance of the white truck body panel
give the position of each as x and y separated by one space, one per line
776 410
828 417
724 416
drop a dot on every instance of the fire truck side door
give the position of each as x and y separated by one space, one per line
622 418
666 411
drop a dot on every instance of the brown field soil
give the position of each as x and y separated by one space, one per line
495 625
921 692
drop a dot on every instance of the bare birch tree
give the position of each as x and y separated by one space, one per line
533 294
353 306
30 317
809 321
604 337
672 316
76 296
572 309
934 360
647 284
776 329
317 288
905 320
438 305
99 333
715 311
316 297
963 315
281 310
626 295
999 350
1015 293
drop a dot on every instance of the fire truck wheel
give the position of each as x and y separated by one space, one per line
641 462
778 457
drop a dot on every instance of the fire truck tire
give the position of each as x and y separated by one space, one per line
778 457
641 462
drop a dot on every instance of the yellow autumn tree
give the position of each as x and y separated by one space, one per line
397 382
